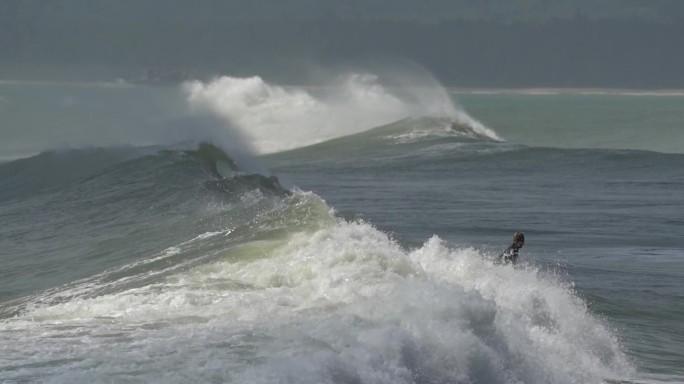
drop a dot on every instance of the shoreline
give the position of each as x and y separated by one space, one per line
543 91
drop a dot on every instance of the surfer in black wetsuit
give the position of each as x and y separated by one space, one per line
510 255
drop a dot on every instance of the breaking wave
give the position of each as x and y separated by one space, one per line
278 118
252 282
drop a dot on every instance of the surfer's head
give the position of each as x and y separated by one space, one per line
519 239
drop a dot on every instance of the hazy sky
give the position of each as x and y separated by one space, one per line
619 43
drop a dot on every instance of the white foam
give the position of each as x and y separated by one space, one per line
341 303
280 118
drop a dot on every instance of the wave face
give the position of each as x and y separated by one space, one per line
51 169
214 274
110 206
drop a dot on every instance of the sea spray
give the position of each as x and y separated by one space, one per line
278 118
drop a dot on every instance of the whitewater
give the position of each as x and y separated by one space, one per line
241 231
341 304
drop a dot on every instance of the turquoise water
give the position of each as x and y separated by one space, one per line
132 254
651 123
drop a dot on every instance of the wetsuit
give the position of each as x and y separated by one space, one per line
510 255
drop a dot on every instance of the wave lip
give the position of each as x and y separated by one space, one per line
418 128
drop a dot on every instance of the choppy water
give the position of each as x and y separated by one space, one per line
367 258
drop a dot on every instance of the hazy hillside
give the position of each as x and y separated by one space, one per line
616 43
411 10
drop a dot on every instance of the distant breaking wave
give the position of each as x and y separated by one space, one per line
277 118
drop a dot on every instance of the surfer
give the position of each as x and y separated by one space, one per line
510 255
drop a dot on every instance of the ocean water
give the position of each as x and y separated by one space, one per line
239 231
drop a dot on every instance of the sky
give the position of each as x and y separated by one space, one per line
512 43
